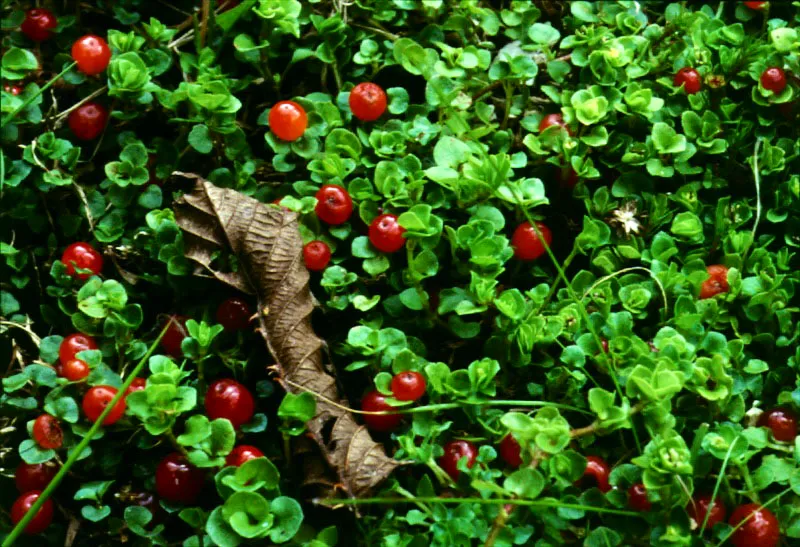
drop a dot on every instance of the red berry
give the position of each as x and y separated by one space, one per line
43 517
526 242
88 121
177 480
316 255
241 454
782 422
761 529
690 79
774 79
716 283
756 5
13 89
38 24
234 314
701 505
596 474
637 498
176 332
334 204
510 451
367 101
83 256
604 345
34 476
386 234
47 432
74 370
74 344
138 384
288 120
453 452
553 119
91 53
408 386
229 399
97 399
375 402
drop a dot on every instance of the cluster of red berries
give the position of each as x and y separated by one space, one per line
91 55
772 79
176 479
406 386
179 481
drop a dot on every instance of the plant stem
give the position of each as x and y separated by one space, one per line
567 261
76 453
440 406
481 501
30 99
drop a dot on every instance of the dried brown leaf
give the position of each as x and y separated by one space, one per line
269 248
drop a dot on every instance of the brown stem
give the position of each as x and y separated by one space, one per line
204 23
505 511
592 428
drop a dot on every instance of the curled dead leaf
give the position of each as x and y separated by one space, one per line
269 248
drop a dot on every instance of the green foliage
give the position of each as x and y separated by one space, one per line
608 350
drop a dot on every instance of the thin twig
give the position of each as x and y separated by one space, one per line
204 22
80 103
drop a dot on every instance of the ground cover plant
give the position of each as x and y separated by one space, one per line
399 273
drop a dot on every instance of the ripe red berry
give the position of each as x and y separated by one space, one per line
453 452
74 370
716 283
690 79
74 344
756 5
83 256
13 89
386 234
334 204
526 242
288 120
510 451
408 386
234 314
375 402
367 101
229 399
138 384
47 432
34 476
553 119
701 505
596 474
176 332
88 121
782 422
241 454
38 24
97 399
637 498
43 517
177 480
761 529
774 79
316 255
92 54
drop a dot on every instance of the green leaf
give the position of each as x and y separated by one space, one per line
17 60
525 483
200 139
